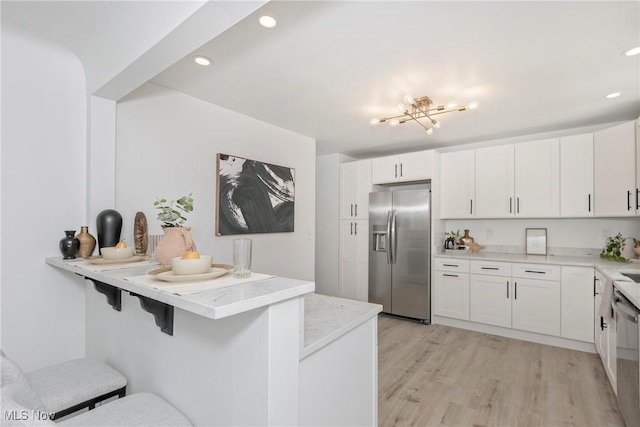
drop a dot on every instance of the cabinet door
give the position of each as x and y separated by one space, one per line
577 302
537 179
451 295
490 300
384 170
612 353
576 175
598 322
347 265
347 189
494 182
362 189
361 244
415 166
536 306
614 171
457 177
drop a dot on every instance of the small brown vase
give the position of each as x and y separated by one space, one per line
87 242
175 242
466 240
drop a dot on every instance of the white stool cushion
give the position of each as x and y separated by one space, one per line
67 384
16 384
139 409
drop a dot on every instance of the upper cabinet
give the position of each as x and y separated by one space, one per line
537 179
402 168
355 186
495 182
615 171
576 176
457 184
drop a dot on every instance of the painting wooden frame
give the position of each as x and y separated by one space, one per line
253 196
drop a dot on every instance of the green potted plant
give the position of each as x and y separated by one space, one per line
177 238
613 249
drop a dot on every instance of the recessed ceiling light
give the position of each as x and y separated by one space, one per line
633 51
613 95
267 21
202 60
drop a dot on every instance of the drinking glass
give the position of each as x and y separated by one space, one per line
241 258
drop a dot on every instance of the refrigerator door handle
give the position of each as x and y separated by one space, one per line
394 237
387 238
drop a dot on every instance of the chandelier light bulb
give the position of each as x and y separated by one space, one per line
429 131
435 123
452 105
402 108
408 99
394 122
374 121
473 105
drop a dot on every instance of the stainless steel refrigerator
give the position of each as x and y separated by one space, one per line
399 252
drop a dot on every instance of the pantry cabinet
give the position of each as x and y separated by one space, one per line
457 184
615 171
402 168
355 186
577 292
354 260
576 176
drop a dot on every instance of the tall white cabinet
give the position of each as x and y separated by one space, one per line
353 250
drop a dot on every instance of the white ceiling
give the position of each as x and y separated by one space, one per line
328 67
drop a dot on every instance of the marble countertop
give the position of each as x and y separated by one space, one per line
213 304
610 269
328 318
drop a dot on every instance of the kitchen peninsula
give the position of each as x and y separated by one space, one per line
269 352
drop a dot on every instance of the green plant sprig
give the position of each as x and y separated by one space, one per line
613 249
172 214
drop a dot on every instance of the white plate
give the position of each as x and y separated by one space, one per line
168 276
100 260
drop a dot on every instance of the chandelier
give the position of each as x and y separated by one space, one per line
422 108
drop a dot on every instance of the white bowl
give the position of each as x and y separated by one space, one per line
183 267
116 253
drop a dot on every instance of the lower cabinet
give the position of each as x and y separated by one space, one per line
536 306
604 333
451 288
354 260
539 298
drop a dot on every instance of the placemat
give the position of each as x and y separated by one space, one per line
190 288
83 263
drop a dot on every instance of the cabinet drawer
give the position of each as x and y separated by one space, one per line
451 264
536 271
493 268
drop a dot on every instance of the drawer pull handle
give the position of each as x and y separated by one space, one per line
534 271
451 265
450 275
507 289
489 268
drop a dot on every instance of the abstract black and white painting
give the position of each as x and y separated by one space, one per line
253 197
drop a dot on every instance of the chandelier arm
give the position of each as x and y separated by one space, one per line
418 121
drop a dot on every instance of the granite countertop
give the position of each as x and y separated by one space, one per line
213 304
328 318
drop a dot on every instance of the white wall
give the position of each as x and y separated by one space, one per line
166 147
561 233
327 222
43 194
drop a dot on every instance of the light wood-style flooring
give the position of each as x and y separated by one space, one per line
433 375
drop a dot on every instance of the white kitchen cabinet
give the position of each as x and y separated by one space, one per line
402 168
355 186
537 179
494 181
536 306
604 333
451 288
354 259
577 302
490 300
576 176
615 188
457 184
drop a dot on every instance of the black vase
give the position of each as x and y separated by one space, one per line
109 226
69 245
